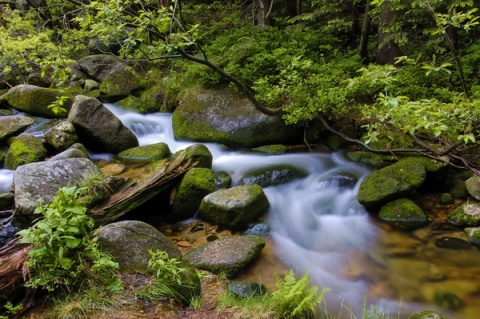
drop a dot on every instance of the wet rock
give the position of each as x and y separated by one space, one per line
38 182
452 243
228 256
194 186
207 116
276 149
447 300
34 100
77 150
427 314
473 235
6 201
129 242
466 215
391 182
258 230
199 154
13 125
61 136
25 149
403 213
234 208
222 180
7 232
146 153
98 128
272 175
245 289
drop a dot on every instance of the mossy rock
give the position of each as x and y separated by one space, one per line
473 235
403 213
473 186
427 314
222 180
25 149
227 256
194 186
466 215
150 100
35 100
447 300
446 198
336 142
146 153
392 182
245 289
365 157
234 208
272 175
200 155
13 125
276 149
119 83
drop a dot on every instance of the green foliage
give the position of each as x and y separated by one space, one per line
10 310
64 254
295 298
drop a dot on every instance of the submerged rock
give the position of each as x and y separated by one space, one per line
228 256
403 213
236 207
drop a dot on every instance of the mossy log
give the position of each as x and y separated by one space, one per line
133 194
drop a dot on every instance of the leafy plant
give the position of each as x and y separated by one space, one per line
10 310
295 298
64 254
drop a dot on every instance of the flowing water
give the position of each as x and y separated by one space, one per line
318 227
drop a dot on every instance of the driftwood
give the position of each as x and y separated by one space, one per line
133 194
14 255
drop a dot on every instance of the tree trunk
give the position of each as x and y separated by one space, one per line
164 3
363 48
388 49
264 8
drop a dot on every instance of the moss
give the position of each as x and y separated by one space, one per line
403 213
467 215
366 158
391 182
147 153
276 149
200 155
473 235
24 149
446 198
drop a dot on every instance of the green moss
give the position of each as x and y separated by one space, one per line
147 153
391 182
467 215
276 149
366 158
403 213
446 198
473 235
24 149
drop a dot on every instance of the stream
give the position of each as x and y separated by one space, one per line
318 227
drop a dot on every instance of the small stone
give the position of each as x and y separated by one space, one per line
183 243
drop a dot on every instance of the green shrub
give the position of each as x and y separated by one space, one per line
63 253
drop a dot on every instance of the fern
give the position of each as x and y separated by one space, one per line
296 298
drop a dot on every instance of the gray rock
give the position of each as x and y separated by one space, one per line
245 289
98 128
25 149
119 83
129 242
39 182
34 100
236 207
61 136
272 175
223 117
13 125
98 66
194 186
77 150
227 256
473 186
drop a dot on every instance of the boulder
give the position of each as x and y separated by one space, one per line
37 183
146 153
119 83
403 213
98 66
223 117
150 100
34 100
427 314
25 149
98 128
473 186
275 149
77 150
391 182
61 136
234 208
194 186
227 256
473 235
222 180
272 175
466 215
130 241
199 154
13 125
